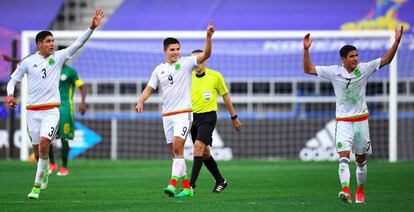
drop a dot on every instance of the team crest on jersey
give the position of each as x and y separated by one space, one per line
357 72
51 61
207 94
177 66
63 77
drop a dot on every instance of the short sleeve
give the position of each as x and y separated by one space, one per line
76 79
191 61
325 71
21 69
371 66
153 81
221 85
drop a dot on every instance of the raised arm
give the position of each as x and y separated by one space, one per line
236 122
96 20
389 55
146 93
207 46
307 64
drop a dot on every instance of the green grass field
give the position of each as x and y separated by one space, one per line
254 185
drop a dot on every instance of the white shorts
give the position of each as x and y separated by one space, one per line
42 123
177 125
353 136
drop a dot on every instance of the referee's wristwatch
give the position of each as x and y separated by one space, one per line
234 117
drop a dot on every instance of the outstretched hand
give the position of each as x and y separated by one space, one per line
307 41
210 29
99 14
398 34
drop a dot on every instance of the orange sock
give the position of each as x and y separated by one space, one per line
173 181
346 189
185 182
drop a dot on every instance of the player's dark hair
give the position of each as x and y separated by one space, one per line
346 49
60 47
41 36
169 41
197 51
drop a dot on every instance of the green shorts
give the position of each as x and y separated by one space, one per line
67 123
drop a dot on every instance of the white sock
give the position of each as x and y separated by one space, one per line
361 173
184 169
344 174
41 167
178 167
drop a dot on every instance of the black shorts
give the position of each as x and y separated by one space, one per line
203 127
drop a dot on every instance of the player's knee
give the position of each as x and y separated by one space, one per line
44 147
206 153
198 148
360 160
177 149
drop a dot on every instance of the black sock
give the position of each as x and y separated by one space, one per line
51 155
211 165
198 162
65 152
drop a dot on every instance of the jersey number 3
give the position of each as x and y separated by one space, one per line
44 73
51 133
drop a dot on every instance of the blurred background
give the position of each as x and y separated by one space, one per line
287 114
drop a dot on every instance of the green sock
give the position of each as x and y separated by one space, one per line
65 152
51 154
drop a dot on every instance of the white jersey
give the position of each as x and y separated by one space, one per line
175 82
349 88
43 74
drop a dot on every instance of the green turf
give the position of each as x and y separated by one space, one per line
137 185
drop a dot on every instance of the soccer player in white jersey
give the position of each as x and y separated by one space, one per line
43 73
174 77
352 132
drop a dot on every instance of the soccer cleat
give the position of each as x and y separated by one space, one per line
45 179
34 194
220 187
345 197
187 192
193 187
359 195
63 171
170 190
52 167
